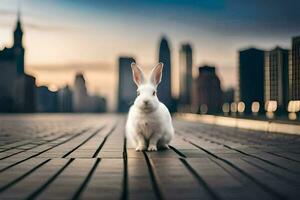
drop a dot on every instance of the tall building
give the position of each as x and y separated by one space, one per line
17 89
186 76
126 88
82 101
228 95
25 92
294 70
46 100
208 90
276 77
251 78
65 99
80 94
164 90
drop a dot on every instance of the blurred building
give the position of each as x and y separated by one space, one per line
186 77
251 78
98 104
164 90
294 69
65 99
208 90
82 101
80 95
17 89
25 94
46 100
228 95
127 88
276 77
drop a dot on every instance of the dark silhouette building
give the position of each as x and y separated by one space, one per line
47 101
208 91
251 78
164 90
186 77
294 69
17 89
126 88
228 95
98 103
25 100
276 77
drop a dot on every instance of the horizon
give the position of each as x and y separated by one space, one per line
89 36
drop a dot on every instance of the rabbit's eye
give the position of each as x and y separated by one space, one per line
153 93
137 93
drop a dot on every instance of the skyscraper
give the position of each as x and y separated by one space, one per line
251 78
17 89
294 69
127 88
276 77
65 96
208 91
82 101
186 78
164 90
80 94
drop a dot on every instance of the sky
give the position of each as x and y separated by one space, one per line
63 37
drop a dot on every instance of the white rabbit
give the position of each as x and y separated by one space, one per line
149 124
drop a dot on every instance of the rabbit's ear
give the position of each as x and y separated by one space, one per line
156 74
137 74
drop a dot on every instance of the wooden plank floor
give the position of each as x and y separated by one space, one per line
88 157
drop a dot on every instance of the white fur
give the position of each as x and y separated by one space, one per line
148 126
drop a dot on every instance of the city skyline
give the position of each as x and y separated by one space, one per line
95 27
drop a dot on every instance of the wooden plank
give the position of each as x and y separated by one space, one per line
279 173
88 149
61 150
19 158
225 185
176 182
69 181
280 162
140 185
11 175
204 162
278 187
106 181
113 147
289 155
28 185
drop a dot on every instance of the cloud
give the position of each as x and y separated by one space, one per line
42 27
29 20
269 18
4 24
6 12
97 66
247 18
39 27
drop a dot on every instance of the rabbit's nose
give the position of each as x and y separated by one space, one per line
146 102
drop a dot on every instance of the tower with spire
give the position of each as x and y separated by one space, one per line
17 89
18 45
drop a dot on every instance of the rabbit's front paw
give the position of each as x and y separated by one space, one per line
140 148
152 148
